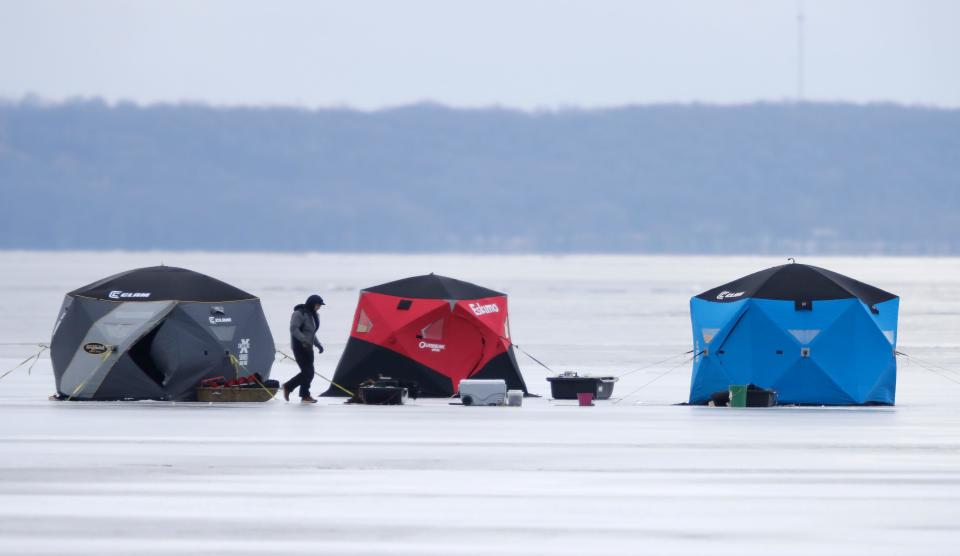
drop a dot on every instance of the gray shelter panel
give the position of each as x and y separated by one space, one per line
225 334
182 353
67 301
245 335
117 330
80 315
179 345
127 381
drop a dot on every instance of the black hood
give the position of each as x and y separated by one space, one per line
308 308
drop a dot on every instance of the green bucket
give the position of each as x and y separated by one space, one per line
738 395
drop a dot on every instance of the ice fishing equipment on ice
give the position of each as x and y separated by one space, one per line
738 395
568 385
155 333
431 330
383 391
743 395
252 388
483 392
810 334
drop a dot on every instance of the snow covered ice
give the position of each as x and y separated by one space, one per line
634 475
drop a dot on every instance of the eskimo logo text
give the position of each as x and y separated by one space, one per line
117 294
484 309
437 348
728 295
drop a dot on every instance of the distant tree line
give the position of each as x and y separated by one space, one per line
761 178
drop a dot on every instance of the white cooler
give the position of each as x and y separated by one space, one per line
483 392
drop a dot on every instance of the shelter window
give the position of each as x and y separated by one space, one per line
709 333
804 336
404 304
364 324
432 331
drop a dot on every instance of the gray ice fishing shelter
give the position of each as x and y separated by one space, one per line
154 333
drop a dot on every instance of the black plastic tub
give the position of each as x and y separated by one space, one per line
761 398
383 395
567 386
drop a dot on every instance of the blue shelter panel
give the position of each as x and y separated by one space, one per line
785 314
758 349
708 376
808 383
885 315
712 321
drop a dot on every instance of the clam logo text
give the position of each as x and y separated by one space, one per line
437 348
728 295
217 315
484 309
117 294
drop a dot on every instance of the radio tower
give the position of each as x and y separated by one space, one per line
800 51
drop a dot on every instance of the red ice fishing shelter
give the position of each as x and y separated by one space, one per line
431 330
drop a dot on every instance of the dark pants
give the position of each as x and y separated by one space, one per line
304 357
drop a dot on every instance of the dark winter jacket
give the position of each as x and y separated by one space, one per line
303 328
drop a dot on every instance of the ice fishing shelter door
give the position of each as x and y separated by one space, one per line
105 345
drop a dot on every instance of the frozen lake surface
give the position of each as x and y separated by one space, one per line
635 475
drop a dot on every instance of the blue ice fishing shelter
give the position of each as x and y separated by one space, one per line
814 336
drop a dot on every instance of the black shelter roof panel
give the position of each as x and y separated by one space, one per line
797 282
162 283
433 286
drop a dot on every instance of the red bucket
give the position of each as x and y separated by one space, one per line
585 398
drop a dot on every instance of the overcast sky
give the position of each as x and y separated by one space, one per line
526 54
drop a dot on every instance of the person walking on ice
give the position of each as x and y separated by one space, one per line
304 324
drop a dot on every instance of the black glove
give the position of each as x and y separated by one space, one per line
319 348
